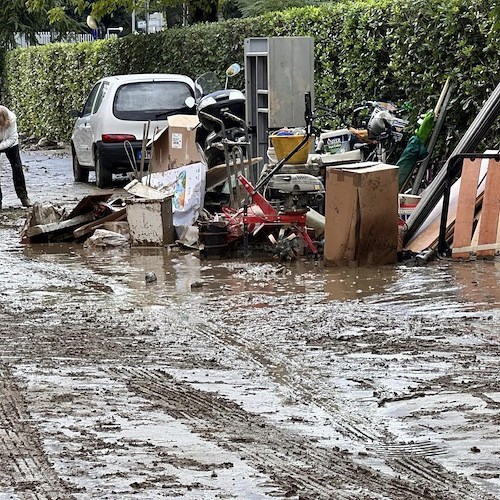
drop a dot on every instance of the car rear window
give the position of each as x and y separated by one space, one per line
145 100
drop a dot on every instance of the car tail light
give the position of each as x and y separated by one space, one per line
117 137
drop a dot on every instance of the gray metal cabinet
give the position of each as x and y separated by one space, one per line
278 73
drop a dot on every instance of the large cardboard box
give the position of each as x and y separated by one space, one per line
361 214
175 146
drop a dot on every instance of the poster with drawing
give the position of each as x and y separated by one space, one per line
187 184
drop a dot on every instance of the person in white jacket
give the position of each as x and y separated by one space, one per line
9 144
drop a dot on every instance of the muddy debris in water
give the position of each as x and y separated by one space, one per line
150 277
144 391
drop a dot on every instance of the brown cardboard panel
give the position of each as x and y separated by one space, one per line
378 234
340 218
88 228
361 215
88 203
159 159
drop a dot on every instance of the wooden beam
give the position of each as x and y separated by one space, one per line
491 212
87 228
218 173
466 207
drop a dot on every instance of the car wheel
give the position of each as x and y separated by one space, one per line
80 174
103 176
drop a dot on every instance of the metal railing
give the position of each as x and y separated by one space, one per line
45 37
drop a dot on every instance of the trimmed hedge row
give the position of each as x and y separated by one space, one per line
401 50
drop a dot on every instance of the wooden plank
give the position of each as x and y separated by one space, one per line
429 231
55 227
466 207
87 203
475 236
491 212
142 191
87 228
498 232
218 174
430 235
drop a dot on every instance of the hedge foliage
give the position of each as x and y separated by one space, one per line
402 50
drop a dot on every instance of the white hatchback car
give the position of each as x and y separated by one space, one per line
114 115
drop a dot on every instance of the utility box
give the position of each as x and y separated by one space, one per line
175 145
150 221
361 215
278 73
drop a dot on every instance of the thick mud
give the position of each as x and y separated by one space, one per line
239 379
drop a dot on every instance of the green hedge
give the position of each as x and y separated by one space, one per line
402 50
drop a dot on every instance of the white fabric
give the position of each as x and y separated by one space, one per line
8 135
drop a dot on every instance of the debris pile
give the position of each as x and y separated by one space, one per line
463 199
48 223
329 206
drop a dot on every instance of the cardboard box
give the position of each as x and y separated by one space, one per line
175 146
361 215
150 221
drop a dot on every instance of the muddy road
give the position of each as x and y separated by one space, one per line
239 379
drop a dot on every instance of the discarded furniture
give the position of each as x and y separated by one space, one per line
476 227
47 223
55 231
150 221
278 70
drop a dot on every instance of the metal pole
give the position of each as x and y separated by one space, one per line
432 143
133 21
147 16
245 229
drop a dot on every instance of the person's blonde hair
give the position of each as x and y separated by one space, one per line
4 117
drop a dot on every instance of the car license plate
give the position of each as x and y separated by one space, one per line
147 154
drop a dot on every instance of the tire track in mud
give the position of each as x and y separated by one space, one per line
294 462
24 466
411 464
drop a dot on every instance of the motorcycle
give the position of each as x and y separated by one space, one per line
221 112
373 132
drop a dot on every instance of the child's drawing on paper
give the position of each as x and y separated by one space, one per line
186 185
180 190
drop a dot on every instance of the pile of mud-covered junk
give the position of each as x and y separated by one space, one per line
331 205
